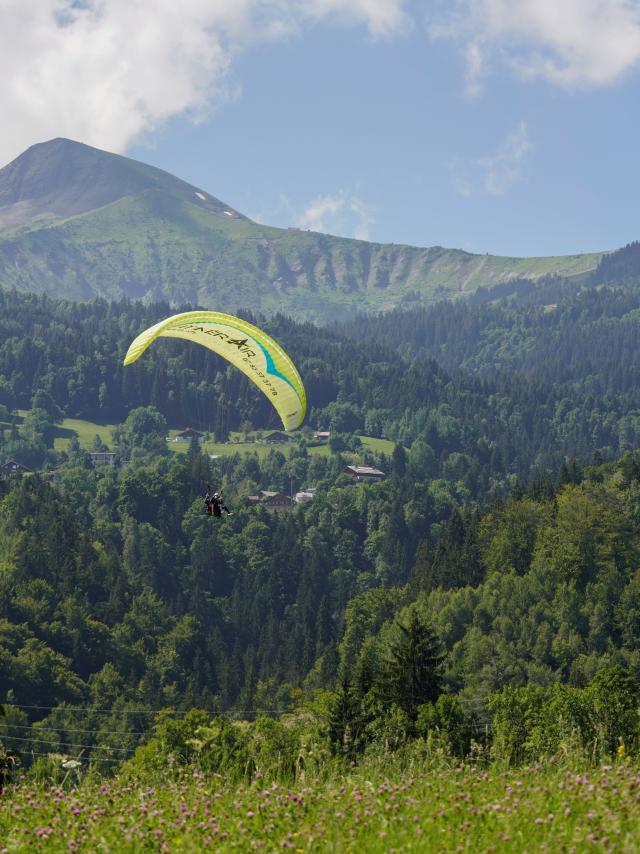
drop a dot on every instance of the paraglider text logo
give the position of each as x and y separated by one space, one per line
243 348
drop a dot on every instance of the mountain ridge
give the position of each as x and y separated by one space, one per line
73 178
80 223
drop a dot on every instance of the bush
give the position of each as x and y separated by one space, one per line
9 761
447 719
531 723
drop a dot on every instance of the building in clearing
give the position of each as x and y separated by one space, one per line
103 458
278 436
365 474
274 502
11 467
188 434
305 495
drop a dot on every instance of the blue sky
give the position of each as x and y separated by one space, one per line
506 126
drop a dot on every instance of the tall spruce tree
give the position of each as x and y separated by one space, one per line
345 726
411 668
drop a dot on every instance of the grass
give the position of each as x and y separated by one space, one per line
138 238
235 446
456 809
381 446
86 432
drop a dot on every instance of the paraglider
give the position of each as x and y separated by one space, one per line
214 504
250 349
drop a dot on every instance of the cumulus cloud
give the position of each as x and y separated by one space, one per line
382 17
571 43
341 213
107 71
502 169
494 174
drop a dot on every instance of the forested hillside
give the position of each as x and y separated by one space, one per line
498 555
585 341
119 594
498 419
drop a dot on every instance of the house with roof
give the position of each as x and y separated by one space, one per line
276 437
274 502
365 474
103 458
12 467
188 434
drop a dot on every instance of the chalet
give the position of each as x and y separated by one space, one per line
274 502
305 496
322 435
187 435
103 458
12 468
277 437
365 474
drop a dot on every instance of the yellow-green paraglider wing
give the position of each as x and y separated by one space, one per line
245 346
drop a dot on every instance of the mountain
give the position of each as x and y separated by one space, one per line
60 179
82 223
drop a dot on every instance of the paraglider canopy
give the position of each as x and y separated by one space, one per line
250 349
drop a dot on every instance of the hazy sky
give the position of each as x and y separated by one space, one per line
507 126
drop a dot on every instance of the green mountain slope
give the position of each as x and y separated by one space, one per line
80 223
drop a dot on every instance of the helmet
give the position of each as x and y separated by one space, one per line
216 495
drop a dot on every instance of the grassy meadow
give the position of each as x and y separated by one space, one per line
430 809
86 431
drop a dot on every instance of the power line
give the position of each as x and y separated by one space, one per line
83 760
173 712
40 741
34 728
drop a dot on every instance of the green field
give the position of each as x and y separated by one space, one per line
230 262
87 430
236 446
427 809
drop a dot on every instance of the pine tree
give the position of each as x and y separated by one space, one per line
345 722
411 670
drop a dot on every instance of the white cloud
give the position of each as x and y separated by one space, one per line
571 43
383 18
460 173
494 174
342 213
107 71
502 170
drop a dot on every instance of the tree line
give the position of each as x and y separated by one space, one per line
119 595
490 579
